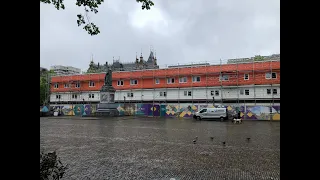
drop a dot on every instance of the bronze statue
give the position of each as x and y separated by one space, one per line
108 77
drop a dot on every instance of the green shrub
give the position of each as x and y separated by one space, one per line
51 167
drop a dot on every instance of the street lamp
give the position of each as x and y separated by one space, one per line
212 101
124 103
59 112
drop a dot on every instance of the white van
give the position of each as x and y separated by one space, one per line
206 113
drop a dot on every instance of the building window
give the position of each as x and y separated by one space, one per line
246 76
241 91
187 93
56 85
77 84
130 94
215 93
133 82
58 96
157 81
183 80
246 92
120 83
274 75
66 86
274 91
163 94
196 78
270 75
268 91
224 77
74 96
91 84
91 96
170 81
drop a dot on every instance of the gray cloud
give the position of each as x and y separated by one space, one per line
181 31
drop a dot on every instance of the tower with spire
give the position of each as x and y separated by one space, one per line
155 59
137 60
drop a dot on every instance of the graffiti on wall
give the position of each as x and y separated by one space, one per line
276 113
128 109
263 112
154 110
44 109
93 108
78 109
182 110
142 110
67 110
177 110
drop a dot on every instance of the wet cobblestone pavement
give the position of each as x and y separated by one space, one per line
147 148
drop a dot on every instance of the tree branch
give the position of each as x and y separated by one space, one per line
93 6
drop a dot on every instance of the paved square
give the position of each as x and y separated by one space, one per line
149 148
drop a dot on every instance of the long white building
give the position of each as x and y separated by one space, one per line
257 82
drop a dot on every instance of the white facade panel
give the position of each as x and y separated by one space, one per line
70 96
174 94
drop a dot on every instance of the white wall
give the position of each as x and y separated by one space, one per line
258 92
67 96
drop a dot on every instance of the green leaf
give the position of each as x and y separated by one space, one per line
93 5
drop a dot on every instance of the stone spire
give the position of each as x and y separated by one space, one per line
155 58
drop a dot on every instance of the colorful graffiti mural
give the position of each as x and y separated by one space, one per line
181 110
44 109
127 109
263 112
142 109
172 110
67 110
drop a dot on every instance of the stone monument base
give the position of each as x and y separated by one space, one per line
107 110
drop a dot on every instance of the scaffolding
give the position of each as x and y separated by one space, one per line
221 79
179 89
206 73
191 84
236 71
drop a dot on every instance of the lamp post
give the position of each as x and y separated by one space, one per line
59 112
83 107
124 103
212 101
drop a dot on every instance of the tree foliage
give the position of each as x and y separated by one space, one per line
91 6
258 58
51 166
44 88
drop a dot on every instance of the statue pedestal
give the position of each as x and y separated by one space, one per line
107 107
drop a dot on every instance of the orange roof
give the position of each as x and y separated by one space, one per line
149 73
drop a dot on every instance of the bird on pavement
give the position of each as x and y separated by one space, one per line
195 140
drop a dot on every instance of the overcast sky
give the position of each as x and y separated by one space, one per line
181 31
